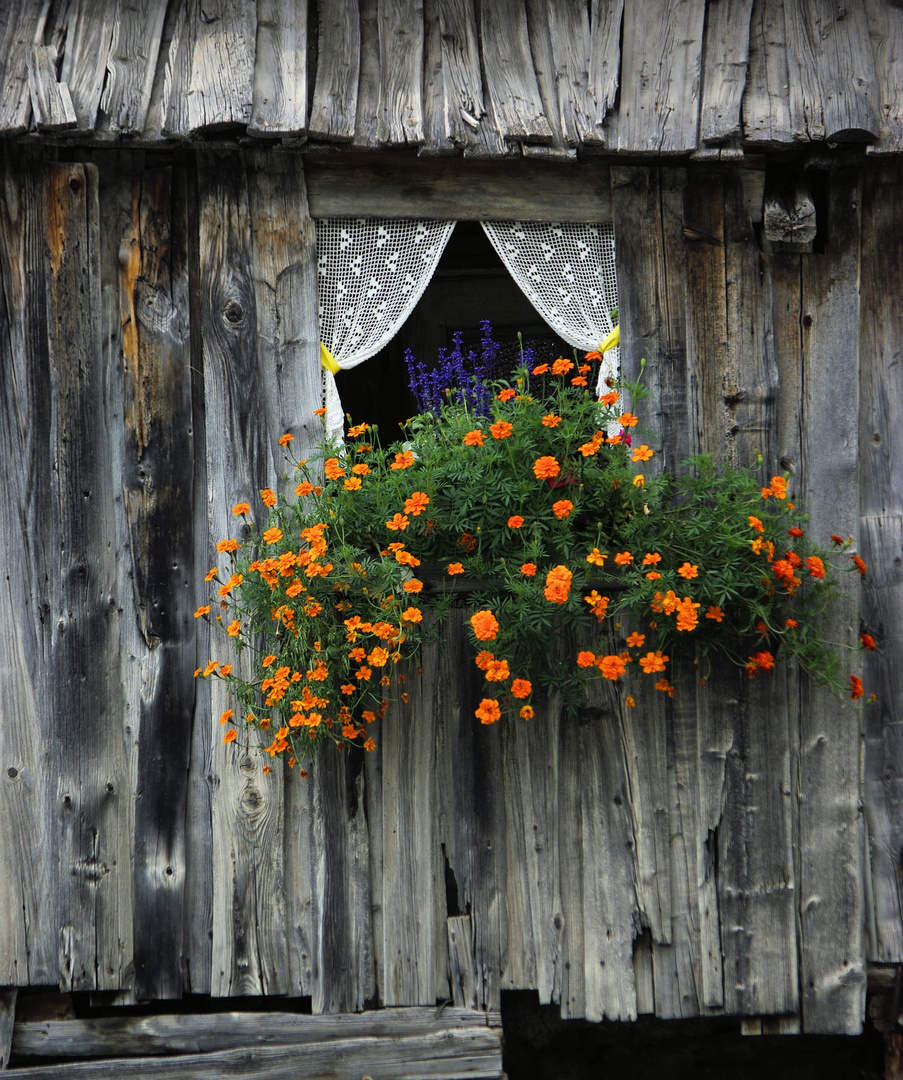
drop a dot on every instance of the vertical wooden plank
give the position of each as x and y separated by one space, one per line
725 63
248 918
647 211
167 115
605 54
131 65
571 863
515 103
20 30
367 117
29 877
332 113
832 960
221 86
459 96
545 69
158 484
660 77
886 31
400 72
766 102
84 701
7 1022
50 100
881 494
569 27
279 104
89 35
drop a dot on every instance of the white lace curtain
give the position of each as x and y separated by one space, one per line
567 272
370 275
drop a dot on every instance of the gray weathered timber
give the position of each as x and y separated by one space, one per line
435 113
279 103
158 484
7 1019
248 910
512 92
149 1036
571 869
51 102
461 971
605 55
544 67
89 34
789 212
332 112
369 92
885 23
833 87
91 816
569 30
725 63
463 106
766 103
21 29
661 68
830 820
137 32
443 190
471 1053
220 87
177 67
881 539
400 25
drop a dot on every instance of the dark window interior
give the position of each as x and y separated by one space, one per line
470 284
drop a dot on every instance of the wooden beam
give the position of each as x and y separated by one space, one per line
7 1023
445 189
789 215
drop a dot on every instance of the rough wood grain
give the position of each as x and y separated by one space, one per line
279 104
177 72
400 72
472 1052
369 94
21 29
51 102
885 23
766 103
881 538
512 93
334 105
445 189
131 65
660 77
248 915
832 92
605 55
7 1023
569 26
435 113
831 946
570 854
789 212
544 67
220 87
28 870
463 106
89 36
725 63
150 1036
91 820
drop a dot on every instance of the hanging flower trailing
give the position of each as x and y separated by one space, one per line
531 489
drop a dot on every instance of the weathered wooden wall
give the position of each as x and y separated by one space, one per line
698 856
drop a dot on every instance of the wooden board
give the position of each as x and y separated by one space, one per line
725 63
885 23
605 55
137 32
51 102
462 103
333 110
279 105
21 29
220 87
400 113
88 47
512 92
766 102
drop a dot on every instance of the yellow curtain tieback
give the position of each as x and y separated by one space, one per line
328 360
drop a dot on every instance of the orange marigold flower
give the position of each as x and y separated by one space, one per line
527 713
629 701
347 688
795 532
715 613
591 448
416 503
642 453
304 489
545 468
653 662
596 557
859 564
558 584
550 420
412 585
837 540
369 746
612 667
412 615
286 439
688 571
856 688
779 487
755 523
651 558
361 469
227 716
515 521
230 736
501 430
398 522
227 545
483 659
489 711
562 366
267 497
485 625
585 658
352 483
868 642
816 566
665 687
578 380
378 657
653 575
241 508
319 412
598 604
272 536
521 688
473 438
562 508
623 558
540 369
455 568
687 617
627 420
609 399
211 573
792 624
363 673
358 429
506 395
467 541
639 480
497 671
528 569
635 641
403 460
202 611
234 628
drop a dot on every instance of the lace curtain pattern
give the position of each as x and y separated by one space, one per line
567 272
370 275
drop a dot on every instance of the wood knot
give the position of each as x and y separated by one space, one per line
233 312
